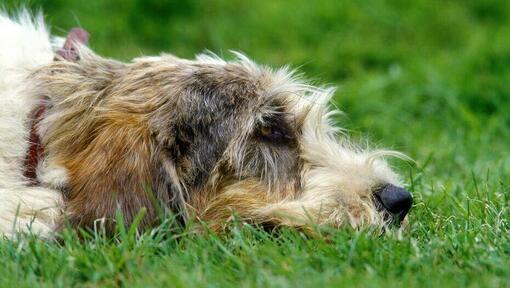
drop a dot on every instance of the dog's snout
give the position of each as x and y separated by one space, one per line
395 200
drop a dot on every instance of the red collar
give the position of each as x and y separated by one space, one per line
35 150
68 52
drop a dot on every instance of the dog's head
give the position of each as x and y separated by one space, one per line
206 138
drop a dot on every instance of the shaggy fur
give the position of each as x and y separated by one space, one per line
202 138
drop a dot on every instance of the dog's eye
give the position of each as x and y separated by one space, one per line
266 131
274 134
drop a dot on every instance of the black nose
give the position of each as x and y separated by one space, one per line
395 200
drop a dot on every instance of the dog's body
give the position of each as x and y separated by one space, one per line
201 138
25 46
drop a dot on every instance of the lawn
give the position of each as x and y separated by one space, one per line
428 78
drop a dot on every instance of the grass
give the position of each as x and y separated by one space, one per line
429 78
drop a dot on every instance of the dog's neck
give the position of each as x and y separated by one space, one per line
35 150
68 52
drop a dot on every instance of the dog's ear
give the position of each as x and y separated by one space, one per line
69 51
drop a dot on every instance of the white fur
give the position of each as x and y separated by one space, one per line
338 177
25 44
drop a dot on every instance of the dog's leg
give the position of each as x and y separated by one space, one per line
251 202
29 210
242 200
255 207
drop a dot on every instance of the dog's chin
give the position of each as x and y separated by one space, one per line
392 224
391 220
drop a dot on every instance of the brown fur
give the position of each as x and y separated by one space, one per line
203 139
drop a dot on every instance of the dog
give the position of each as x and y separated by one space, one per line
83 138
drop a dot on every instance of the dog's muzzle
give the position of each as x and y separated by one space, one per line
396 201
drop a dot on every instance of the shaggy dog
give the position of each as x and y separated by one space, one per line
82 137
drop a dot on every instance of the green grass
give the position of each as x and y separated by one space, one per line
429 78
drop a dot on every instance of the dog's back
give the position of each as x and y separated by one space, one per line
25 44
